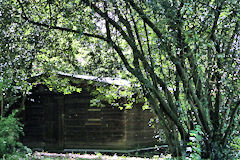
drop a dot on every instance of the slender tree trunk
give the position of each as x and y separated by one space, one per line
2 108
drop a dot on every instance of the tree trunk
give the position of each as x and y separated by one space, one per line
2 108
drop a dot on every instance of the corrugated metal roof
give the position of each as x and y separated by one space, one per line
109 80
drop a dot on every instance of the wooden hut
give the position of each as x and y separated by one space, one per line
54 121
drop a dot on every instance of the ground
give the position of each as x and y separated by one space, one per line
97 156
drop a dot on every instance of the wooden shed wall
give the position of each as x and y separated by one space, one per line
139 133
56 122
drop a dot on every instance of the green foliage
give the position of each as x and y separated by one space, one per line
60 84
10 131
194 146
235 144
109 94
230 151
123 97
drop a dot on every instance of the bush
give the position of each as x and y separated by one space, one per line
10 131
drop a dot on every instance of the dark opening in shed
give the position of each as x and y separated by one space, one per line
54 121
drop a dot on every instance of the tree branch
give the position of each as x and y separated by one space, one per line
189 88
145 18
24 16
230 125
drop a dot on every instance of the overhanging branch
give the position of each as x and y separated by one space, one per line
25 17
